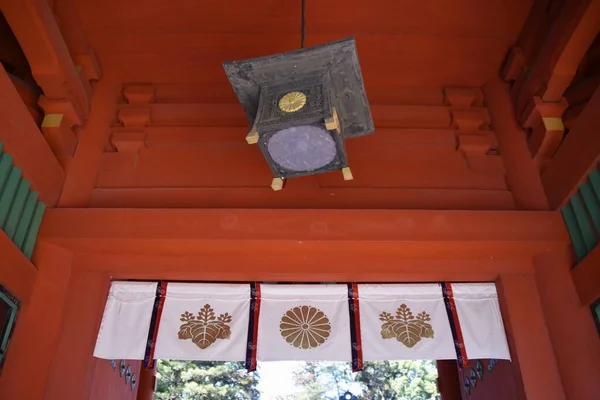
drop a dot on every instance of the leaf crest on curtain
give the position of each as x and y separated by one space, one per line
405 327
205 328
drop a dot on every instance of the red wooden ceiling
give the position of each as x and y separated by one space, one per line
425 42
409 50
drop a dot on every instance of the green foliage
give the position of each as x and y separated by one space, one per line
322 380
200 380
381 380
399 380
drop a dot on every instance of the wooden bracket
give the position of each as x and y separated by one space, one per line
470 119
128 141
547 129
476 148
90 66
537 109
127 145
134 116
139 93
463 97
70 109
545 139
59 135
477 142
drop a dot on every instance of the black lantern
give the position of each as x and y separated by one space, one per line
301 106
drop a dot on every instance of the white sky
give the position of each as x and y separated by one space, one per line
277 379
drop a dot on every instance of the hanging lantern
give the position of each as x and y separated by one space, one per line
302 106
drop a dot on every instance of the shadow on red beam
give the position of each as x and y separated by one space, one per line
300 253
187 229
299 268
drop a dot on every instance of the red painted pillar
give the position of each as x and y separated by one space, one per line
147 383
448 380
72 371
570 325
528 338
38 327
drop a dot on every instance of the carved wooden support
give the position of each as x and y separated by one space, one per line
139 93
515 71
73 114
470 119
29 148
463 97
580 38
35 26
134 116
474 139
547 129
480 152
577 156
87 85
477 142
83 56
128 141
544 141
573 29
66 86
90 66
126 146
75 39
537 108
59 135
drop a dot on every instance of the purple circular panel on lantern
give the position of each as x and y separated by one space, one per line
302 148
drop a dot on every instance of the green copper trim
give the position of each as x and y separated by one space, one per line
21 212
582 215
